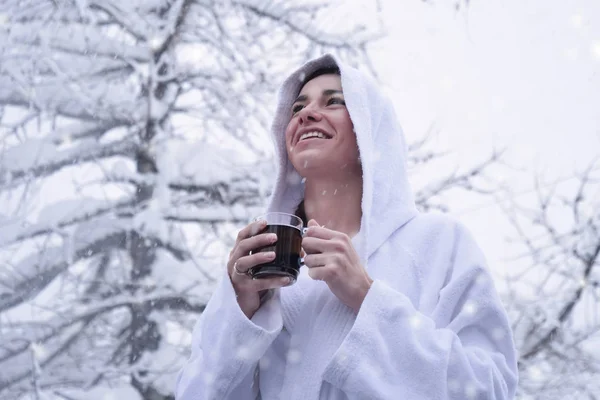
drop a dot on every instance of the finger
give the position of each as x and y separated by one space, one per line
321 232
243 264
315 245
312 222
252 229
245 246
316 260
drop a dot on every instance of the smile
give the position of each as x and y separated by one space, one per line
313 134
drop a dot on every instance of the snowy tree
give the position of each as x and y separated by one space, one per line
432 194
132 142
553 298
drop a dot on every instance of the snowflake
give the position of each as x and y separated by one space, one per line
498 333
470 307
480 280
470 390
415 321
293 178
243 352
447 83
577 20
155 43
453 385
208 377
536 373
302 76
341 357
294 356
595 49
39 351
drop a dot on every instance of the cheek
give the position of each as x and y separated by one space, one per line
289 131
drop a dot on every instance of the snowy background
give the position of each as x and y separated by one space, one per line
133 146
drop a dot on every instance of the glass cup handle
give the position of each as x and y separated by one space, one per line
301 259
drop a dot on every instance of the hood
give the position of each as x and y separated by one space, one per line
387 200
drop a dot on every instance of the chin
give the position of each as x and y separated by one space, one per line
318 167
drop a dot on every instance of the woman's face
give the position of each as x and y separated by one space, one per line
320 136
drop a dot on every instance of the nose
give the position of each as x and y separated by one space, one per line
308 114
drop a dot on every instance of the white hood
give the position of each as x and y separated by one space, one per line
387 202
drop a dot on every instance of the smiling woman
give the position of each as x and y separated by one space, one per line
321 146
390 304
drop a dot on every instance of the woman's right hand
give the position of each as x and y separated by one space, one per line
249 290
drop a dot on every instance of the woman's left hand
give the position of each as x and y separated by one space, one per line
331 257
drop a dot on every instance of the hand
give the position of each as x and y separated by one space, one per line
331 257
249 290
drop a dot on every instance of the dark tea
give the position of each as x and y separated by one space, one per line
287 250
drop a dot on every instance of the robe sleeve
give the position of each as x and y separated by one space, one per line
226 348
462 350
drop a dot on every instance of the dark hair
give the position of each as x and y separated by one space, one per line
333 70
301 213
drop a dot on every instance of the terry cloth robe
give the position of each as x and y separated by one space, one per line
431 326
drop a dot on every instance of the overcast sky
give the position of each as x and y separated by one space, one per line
506 73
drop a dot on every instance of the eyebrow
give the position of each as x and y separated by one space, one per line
325 93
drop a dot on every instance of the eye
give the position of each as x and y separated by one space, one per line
336 100
297 108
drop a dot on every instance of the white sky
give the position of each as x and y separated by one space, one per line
507 73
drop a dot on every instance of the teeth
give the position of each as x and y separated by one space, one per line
312 134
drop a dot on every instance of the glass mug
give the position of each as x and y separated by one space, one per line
288 247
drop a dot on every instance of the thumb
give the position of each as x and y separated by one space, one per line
312 222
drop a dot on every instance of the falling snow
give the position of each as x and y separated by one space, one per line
470 307
294 356
453 385
415 321
470 390
128 177
498 334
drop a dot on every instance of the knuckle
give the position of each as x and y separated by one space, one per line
339 245
330 274
338 259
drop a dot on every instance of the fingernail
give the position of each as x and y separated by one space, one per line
270 254
285 281
272 237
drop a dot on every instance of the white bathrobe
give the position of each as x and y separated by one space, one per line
431 326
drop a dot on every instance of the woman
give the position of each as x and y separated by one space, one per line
392 304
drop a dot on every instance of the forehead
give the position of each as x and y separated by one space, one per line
322 82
